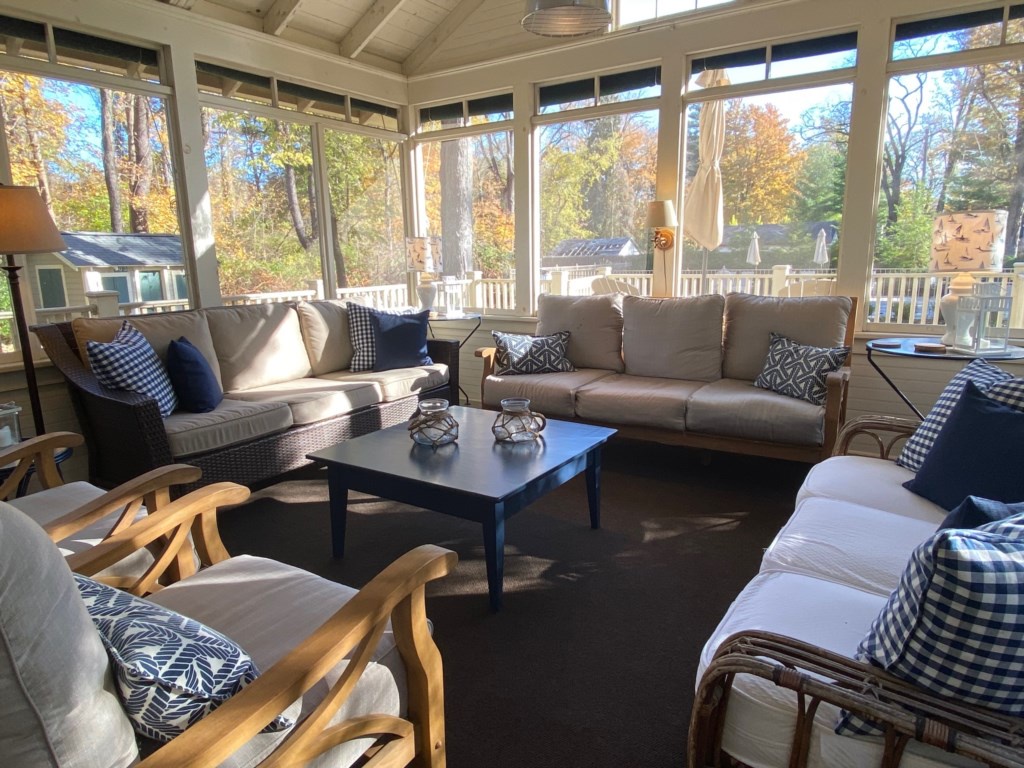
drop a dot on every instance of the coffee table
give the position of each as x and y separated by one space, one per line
474 478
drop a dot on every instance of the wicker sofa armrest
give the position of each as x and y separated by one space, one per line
446 351
885 432
123 431
905 712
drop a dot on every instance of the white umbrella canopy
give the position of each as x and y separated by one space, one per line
821 248
702 211
754 251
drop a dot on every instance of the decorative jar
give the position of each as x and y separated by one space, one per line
983 321
10 424
432 424
517 423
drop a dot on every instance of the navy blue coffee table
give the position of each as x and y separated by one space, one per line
475 478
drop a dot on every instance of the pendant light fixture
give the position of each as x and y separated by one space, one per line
567 18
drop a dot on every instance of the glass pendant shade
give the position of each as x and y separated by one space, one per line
566 18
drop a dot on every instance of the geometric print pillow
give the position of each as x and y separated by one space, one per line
521 353
130 364
797 370
170 671
954 623
984 375
360 330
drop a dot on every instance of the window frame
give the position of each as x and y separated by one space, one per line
40 268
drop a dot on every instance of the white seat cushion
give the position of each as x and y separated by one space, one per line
869 483
398 382
734 408
846 543
628 399
761 719
268 608
553 394
314 399
230 423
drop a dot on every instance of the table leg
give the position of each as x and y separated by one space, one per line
893 386
494 553
337 490
594 486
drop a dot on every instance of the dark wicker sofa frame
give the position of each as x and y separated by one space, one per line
125 436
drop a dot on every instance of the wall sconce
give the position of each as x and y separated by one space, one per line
661 217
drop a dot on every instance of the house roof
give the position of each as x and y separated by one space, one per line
596 248
104 249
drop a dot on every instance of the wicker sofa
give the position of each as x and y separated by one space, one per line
284 369
776 671
681 371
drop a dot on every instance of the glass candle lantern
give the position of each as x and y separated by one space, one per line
10 424
432 424
983 321
517 423
453 297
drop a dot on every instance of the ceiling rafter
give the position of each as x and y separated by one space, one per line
368 27
186 4
432 42
280 15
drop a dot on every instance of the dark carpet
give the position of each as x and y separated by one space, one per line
592 661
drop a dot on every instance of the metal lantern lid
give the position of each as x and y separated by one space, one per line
566 18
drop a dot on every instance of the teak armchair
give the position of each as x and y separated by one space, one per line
345 651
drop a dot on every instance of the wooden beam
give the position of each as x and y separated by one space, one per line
368 26
279 15
229 87
186 4
441 33
13 45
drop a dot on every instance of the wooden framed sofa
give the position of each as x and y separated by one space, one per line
288 391
681 371
356 672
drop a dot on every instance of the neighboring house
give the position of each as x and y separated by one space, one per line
141 268
619 252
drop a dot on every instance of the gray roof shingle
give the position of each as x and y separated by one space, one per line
104 249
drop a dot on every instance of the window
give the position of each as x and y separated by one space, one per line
120 284
637 11
151 286
800 57
605 89
596 177
51 287
489 109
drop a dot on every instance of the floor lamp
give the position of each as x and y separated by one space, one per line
25 227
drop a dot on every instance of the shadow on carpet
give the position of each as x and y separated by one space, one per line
592 661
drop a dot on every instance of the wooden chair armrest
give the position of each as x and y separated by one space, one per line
151 489
884 431
357 626
904 711
36 451
487 354
837 386
167 532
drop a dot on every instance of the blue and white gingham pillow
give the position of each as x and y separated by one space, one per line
129 363
984 375
954 623
360 329
170 671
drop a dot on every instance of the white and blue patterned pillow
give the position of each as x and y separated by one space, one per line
984 375
170 671
954 623
129 363
797 370
520 353
360 330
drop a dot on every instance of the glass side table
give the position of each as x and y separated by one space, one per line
907 347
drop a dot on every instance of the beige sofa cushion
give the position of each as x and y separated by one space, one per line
819 321
640 400
398 382
326 334
230 423
594 324
553 394
673 338
314 399
58 706
258 344
268 608
159 329
734 408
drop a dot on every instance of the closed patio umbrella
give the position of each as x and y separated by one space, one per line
702 210
821 249
754 251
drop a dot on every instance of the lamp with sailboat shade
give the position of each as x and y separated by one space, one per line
968 241
25 228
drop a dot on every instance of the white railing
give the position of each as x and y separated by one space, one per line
267 298
378 296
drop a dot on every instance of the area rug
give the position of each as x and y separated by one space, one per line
591 662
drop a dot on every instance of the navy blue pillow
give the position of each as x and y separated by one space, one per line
401 340
192 377
976 453
974 512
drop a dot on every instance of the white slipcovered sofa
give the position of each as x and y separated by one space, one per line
797 625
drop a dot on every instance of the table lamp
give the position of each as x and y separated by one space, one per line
25 227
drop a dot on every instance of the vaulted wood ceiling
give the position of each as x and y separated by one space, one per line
407 36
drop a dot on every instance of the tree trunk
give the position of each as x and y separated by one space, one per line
339 255
110 161
142 166
295 209
1015 209
36 153
456 207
